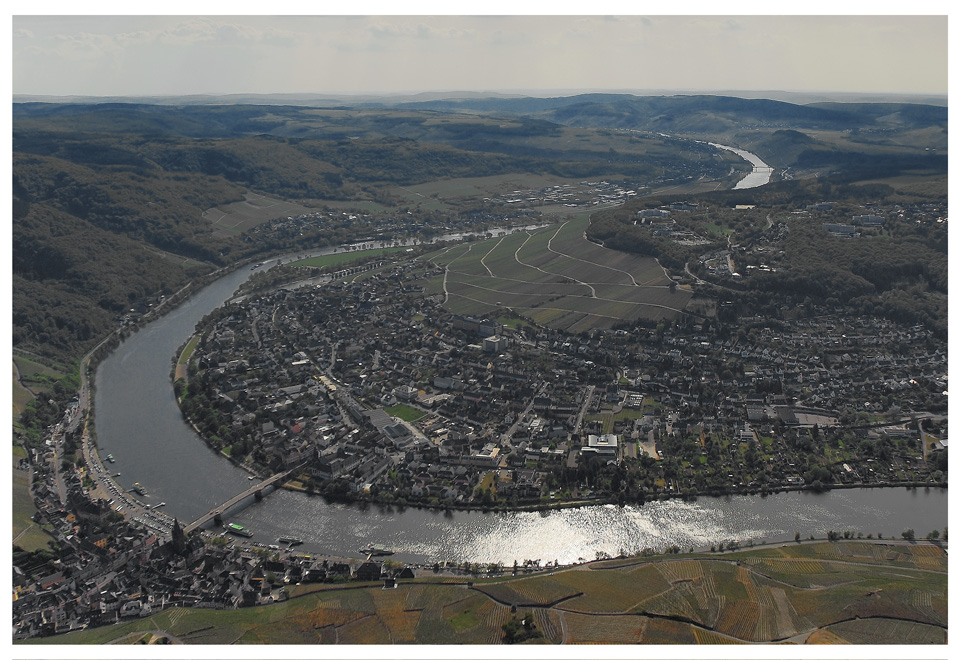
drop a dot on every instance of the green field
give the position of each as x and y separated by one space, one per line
21 396
188 350
33 377
405 412
26 533
344 257
33 373
555 277
885 594
234 219
486 186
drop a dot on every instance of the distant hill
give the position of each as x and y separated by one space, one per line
331 100
128 182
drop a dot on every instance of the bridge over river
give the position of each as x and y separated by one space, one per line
256 489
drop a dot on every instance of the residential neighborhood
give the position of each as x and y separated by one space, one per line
385 395
367 388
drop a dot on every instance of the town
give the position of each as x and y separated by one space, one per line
384 394
361 383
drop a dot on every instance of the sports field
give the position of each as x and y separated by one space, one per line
556 277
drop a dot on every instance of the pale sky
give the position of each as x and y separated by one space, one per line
375 53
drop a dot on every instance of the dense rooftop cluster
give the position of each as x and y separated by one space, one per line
116 559
338 226
386 395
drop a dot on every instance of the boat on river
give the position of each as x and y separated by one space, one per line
111 459
290 540
138 489
239 530
374 551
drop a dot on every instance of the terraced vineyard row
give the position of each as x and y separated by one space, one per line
757 595
556 277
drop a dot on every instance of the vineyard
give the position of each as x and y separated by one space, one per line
841 592
535 274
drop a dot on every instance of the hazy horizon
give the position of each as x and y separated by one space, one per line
136 56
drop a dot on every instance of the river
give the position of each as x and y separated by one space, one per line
761 171
138 421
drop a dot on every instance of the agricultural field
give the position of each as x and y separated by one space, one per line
21 395
476 187
555 277
872 631
891 593
343 257
28 378
33 374
234 219
26 533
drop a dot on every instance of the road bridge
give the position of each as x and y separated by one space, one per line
256 489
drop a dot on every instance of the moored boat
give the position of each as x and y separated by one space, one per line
374 551
239 530
290 540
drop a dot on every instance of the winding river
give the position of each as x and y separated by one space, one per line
138 421
761 171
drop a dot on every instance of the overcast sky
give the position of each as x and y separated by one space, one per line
159 55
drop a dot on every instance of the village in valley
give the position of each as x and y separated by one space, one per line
437 376
379 391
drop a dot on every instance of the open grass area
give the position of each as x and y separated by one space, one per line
21 395
341 258
181 369
26 533
512 322
405 412
186 263
628 414
605 419
717 230
236 218
188 350
34 377
32 370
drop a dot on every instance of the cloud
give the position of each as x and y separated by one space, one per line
412 52
733 25
400 28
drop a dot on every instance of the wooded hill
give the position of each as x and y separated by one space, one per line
108 198
899 272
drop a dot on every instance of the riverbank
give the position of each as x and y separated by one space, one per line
297 486
694 598
761 173
155 447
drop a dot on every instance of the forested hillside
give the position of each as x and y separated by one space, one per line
109 198
897 271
